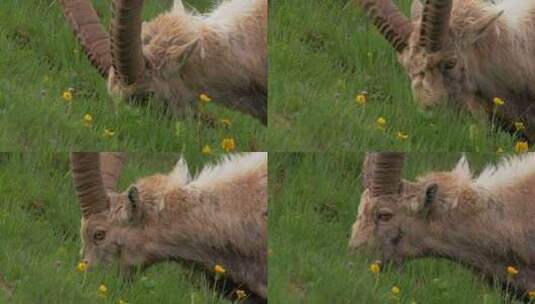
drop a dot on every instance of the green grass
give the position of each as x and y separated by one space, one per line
312 206
40 59
39 238
321 57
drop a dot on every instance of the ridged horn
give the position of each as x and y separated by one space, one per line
392 24
111 165
435 24
386 168
126 47
87 28
85 167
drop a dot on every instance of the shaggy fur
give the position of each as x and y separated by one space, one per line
219 217
222 54
484 222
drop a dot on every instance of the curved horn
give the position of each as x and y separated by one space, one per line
88 183
392 24
87 28
435 24
111 165
386 173
126 48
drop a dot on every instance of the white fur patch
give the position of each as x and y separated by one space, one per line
180 175
462 170
515 11
507 172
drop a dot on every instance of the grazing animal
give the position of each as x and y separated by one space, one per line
217 218
484 222
180 55
466 53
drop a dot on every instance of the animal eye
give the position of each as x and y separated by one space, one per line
449 64
99 235
384 216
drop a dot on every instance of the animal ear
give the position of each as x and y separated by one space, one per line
480 27
181 54
416 10
462 170
430 195
133 207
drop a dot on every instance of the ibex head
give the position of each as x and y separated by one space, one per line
395 217
430 47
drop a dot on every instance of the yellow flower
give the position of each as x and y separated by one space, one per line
108 133
531 294
228 144
498 101
395 290
512 271
219 269
402 136
225 122
206 150
381 122
375 267
521 146
203 98
121 301
519 126
103 290
362 98
82 266
499 150
67 96
88 120
240 294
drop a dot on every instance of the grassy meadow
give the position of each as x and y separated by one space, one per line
40 60
321 57
312 206
39 238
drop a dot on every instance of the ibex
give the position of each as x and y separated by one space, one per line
216 218
466 53
486 223
179 55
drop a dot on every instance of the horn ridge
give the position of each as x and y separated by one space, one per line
111 164
435 24
85 168
386 169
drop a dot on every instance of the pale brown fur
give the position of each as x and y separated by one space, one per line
472 221
221 221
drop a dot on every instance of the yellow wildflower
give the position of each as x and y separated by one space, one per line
531 294
499 150
121 301
108 133
219 269
240 294
512 271
206 150
498 101
362 98
402 136
82 266
375 267
381 122
103 290
88 120
225 122
67 96
521 146
519 126
203 98
228 144
395 290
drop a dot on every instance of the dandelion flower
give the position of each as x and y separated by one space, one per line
395 290
499 150
228 144
67 96
521 146
88 120
362 98
206 150
402 136
381 122
204 99
219 269
108 133
498 101
82 266
531 294
103 290
375 268
240 294
519 126
225 122
512 271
